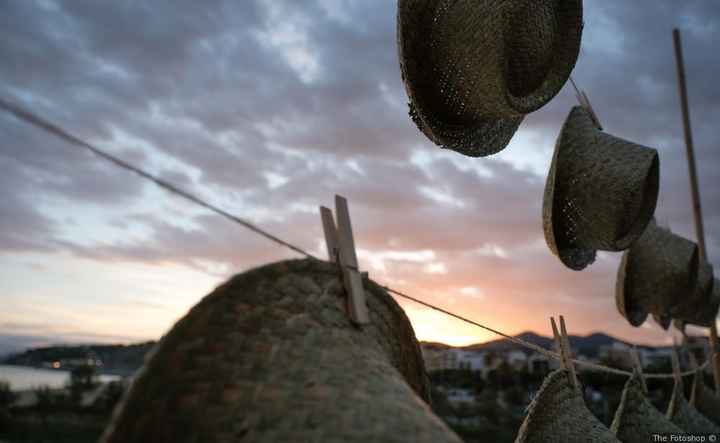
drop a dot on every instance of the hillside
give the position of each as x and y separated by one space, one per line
587 345
120 359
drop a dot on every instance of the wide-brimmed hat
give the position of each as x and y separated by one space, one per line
705 400
473 68
653 272
636 419
687 417
558 413
600 193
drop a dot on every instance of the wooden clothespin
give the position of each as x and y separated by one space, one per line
562 343
637 364
583 100
341 249
676 365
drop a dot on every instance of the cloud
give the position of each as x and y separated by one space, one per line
269 108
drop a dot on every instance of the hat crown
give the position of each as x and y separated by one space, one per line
686 417
600 193
636 419
558 413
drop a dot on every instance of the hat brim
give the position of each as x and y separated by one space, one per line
635 315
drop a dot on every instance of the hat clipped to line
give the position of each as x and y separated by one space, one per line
654 274
600 193
474 68
686 417
701 307
558 413
704 400
636 419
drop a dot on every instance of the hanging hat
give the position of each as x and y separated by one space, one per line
659 268
636 419
705 400
272 356
473 68
558 413
700 308
600 193
686 417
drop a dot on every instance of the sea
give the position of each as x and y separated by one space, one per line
22 377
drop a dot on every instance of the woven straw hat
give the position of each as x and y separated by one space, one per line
701 307
686 417
664 320
558 413
659 268
473 68
705 400
600 193
271 355
636 419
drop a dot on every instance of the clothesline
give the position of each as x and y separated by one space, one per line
57 131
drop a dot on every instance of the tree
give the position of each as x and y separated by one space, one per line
7 397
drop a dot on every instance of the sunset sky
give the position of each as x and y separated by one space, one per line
268 108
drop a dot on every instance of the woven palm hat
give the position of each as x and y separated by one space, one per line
636 419
658 269
600 193
474 68
272 356
558 413
700 307
687 417
705 400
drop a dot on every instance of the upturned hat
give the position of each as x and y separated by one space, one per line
474 68
600 193
558 413
659 266
636 419
705 400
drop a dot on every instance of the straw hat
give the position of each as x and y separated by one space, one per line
271 355
600 193
686 417
558 413
663 320
701 307
658 269
473 68
705 400
636 419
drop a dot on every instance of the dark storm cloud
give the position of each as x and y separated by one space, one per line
311 92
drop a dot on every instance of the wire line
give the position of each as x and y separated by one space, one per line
55 130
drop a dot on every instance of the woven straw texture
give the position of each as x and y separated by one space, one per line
701 307
686 417
636 419
600 193
558 414
473 68
705 400
271 356
655 274
663 320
